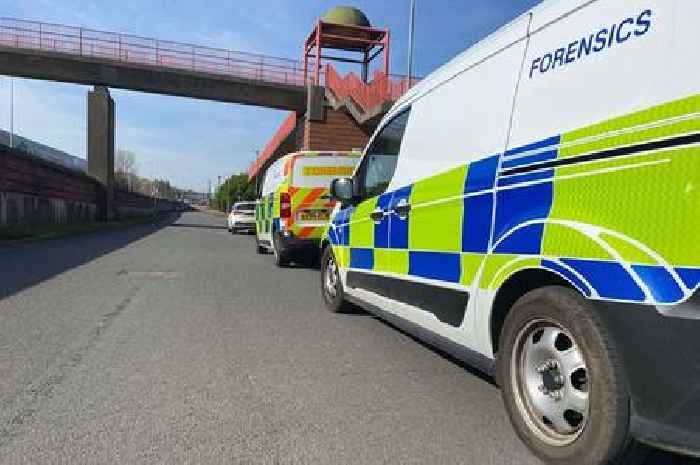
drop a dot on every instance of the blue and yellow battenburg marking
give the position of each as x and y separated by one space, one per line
613 208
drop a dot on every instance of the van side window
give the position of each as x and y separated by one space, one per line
380 161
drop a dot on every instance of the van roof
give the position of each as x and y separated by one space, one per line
317 153
545 13
320 153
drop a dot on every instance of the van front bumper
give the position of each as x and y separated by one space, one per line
661 357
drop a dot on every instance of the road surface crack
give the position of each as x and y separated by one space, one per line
31 399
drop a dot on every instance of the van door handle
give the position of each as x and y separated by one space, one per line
377 215
402 209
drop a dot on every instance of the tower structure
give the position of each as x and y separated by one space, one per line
345 29
343 108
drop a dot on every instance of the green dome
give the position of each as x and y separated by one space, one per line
346 15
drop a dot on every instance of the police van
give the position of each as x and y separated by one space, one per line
533 208
295 205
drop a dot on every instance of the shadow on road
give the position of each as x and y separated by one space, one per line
197 226
27 264
667 458
471 370
305 264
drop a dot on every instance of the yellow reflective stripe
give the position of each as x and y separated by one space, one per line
327 170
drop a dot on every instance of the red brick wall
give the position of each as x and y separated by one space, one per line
23 174
132 200
38 180
339 131
139 201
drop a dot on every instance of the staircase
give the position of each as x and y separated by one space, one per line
366 102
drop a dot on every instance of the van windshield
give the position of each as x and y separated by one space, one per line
319 171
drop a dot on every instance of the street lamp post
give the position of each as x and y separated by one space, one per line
218 191
12 112
257 178
411 29
155 197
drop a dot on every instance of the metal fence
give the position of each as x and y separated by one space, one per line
131 49
285 129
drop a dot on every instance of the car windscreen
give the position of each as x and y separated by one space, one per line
244 207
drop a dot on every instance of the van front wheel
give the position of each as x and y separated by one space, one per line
562 382
331 286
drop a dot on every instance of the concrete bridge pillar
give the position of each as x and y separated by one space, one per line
100 145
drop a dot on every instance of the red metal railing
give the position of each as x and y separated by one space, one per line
130 49
282 133
382 89
368 96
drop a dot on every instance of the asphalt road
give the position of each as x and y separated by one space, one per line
176 343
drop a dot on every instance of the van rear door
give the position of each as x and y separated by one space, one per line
309 187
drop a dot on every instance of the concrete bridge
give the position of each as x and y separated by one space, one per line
83 56
103 59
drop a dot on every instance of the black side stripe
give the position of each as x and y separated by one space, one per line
448 305
611 153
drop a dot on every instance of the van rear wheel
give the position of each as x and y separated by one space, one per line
281 254
562 382
259 248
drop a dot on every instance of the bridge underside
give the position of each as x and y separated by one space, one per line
38 64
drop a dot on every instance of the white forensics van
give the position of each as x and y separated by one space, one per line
533 208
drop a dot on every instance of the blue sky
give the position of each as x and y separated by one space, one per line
191 141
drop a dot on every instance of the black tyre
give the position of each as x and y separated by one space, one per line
562 381
259 248
331 285
281 254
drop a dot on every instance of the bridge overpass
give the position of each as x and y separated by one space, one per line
339 113
84 56
80 55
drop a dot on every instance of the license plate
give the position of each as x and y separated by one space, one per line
315 215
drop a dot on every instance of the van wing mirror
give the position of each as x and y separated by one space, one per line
342 189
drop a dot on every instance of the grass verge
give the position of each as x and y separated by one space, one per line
20 233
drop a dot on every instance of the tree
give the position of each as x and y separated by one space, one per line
125 170
126 178
237 188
